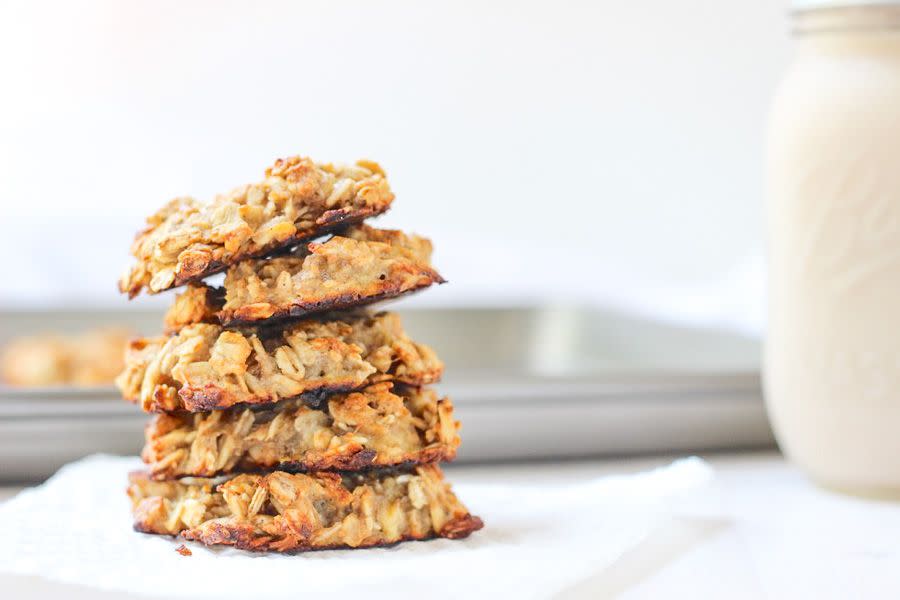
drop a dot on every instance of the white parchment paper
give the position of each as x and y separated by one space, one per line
76 528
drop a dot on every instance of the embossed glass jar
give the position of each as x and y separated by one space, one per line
832 359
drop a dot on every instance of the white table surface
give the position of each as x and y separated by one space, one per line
767 533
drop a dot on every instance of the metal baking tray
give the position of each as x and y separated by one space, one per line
528 383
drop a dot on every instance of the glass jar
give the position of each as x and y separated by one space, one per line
832 357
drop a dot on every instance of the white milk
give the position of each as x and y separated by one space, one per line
832 361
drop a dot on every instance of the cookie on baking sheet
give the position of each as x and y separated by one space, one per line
93 357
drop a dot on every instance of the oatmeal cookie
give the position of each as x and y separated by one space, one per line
90 358
297 200
375 427
286 512
205 367
360 266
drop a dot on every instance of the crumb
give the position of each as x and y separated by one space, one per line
183 550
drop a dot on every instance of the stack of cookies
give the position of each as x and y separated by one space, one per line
288 416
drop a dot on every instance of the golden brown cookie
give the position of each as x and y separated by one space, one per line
361 266
89 358
205 367
297 200
376 427
286 512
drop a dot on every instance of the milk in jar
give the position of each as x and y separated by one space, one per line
832 352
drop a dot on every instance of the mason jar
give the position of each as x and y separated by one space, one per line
832 352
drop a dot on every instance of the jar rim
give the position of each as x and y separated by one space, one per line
801 6
843 16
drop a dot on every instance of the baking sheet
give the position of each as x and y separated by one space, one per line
531 382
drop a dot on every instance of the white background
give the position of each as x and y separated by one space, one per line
584 151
